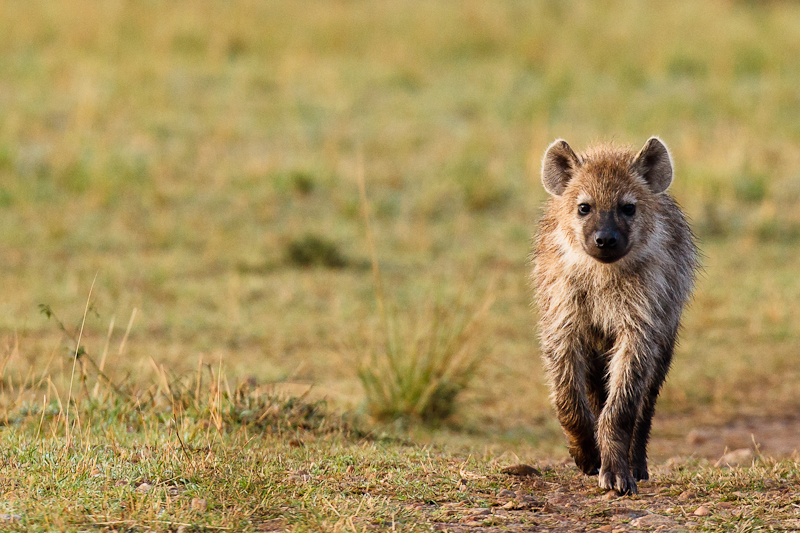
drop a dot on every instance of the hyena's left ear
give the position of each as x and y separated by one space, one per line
654 164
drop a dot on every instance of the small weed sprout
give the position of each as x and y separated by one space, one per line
416 369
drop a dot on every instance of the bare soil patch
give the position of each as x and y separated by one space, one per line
679 497
683 437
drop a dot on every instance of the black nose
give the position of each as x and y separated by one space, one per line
605 239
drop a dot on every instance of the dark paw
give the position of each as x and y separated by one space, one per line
621 482
640 473
589 463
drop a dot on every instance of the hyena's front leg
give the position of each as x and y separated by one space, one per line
629 374
566 367
641 431
597 382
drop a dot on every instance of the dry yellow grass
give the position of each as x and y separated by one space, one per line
176 150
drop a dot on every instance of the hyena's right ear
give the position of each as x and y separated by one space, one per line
557 167
654 164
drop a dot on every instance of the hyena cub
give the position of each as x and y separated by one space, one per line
614 266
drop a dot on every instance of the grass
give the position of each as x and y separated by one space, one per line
311 250
188 457
181 153
176 454
195 161
418 370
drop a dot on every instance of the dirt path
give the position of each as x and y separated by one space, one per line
746 491
682 437
677 499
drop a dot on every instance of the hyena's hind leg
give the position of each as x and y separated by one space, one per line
637 455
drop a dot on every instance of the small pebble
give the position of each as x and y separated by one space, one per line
740 457
686 495
505 493
521 470
653 521
199 504
627 513
559 498
702 511
611 495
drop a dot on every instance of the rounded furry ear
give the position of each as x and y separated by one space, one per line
654 164
558 164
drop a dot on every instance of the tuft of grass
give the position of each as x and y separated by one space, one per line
314 250
298 182
418 370
303 183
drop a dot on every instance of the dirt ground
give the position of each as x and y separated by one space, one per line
735 490
681 437
682 494
568 502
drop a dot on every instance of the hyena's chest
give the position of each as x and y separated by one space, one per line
609 309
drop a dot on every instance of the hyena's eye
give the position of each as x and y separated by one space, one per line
584 209
628 209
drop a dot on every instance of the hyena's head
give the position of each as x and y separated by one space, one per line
606 198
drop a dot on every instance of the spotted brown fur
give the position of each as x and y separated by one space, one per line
609 318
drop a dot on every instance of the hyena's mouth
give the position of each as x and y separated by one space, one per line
607 256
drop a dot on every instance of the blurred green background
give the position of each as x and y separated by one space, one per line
188 152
